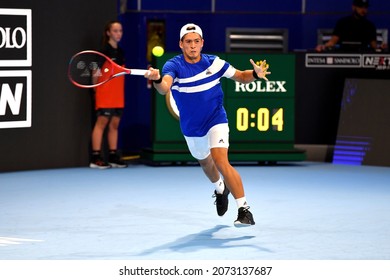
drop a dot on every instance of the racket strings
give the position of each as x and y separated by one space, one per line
88 69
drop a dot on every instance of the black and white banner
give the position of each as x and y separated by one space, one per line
15 53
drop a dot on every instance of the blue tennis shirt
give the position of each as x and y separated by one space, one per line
197 92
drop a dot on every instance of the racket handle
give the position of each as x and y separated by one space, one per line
139 72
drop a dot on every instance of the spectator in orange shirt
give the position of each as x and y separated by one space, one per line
109 103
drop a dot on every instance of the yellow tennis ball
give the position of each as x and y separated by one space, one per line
158 51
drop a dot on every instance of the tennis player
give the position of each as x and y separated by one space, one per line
194 80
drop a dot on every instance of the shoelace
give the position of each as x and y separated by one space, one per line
215 196
242 213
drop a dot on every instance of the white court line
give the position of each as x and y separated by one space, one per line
6 241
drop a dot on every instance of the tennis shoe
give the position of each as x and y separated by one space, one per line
221 201
116 162
244 218
99 164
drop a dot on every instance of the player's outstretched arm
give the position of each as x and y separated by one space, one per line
162 84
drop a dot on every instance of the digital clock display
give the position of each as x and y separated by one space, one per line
266 120
261 120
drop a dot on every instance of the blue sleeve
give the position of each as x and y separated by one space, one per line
169 68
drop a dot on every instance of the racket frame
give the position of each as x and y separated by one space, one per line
117 68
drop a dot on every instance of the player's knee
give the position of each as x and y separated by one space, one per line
221 163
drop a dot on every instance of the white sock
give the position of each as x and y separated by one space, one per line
219 186
241 202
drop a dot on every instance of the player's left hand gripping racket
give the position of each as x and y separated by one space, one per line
89 69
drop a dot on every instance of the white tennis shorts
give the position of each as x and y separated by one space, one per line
216 137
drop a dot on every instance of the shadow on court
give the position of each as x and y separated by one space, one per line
202 240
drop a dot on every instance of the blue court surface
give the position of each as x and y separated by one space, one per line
303 211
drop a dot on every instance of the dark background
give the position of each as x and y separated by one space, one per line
61 120
364 121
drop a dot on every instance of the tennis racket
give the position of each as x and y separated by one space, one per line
89 69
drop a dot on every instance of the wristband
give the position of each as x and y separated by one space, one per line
158 81
255 75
